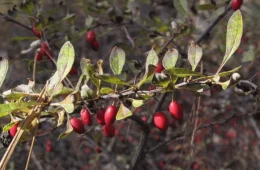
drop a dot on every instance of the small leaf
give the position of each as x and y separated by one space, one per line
88 21
86 92
117 60
152 59
194 55
170 58
204 7
106 90
147 76
162 80
182 72
68 130
225 84
7 108
61 116
8 126
3 69
64 64
181 6
226 73
137 103
248 56
123 112
69 101
110 79
234 34
89 70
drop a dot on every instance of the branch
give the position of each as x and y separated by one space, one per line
8 18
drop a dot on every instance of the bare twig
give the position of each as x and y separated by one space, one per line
10 19
128 36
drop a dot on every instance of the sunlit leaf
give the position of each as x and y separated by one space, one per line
170 58
123 112
9 125
67 131
234 34
106 90
226 73
110 79
194 55
3 69
182 72
136 102
147 76
117 60
152 59
7 108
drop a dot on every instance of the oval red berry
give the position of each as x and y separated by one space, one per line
236 4
110 114
108 130
86 117
100 116
95 45
91 36
159 68
77 125
176 110
161 121
13 130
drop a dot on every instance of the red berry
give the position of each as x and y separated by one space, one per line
98 150
236 4
73 71
100 116
108 130
48 146
91 36
161 121
86 117
77 125
95 45
39 57
13 129
176 110
36 32
144 118
110 115
159 68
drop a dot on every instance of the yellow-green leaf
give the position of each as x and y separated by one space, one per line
123 112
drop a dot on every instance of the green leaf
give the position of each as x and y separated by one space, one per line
194 55
182 72
225 84
64 64
123 112
147 76
162 80
234 34
22 38
88 21
181 6
117 60
89 70
68 102
137 103
249 56
170 58
226 73
68 130
110 79
7 108
3 69
106 90
27 7
204 7
8 126
152 59
87 93
61 116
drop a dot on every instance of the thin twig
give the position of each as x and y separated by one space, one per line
8 18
